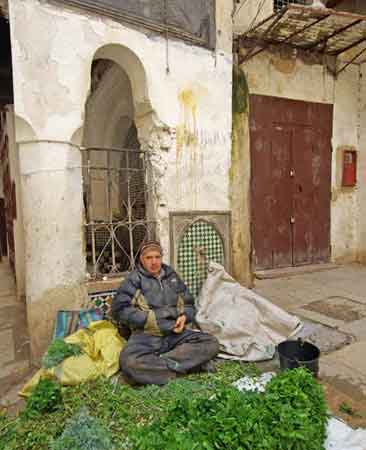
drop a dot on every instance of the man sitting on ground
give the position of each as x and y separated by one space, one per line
156 305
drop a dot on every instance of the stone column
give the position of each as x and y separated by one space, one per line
52 202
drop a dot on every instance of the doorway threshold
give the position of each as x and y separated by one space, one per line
293 271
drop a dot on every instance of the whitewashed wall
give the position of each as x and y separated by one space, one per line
189 130
248 13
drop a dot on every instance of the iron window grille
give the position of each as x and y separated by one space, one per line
279 4
115 200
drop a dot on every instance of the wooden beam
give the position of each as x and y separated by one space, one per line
325 39
351 61
345 49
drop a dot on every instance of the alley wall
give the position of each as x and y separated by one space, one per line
182 105
287 75
361 174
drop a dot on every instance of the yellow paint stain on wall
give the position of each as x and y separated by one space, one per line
188 99
185 136
187 130
189 159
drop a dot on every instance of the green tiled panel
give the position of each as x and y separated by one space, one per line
200 238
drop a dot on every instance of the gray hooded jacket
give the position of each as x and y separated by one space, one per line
144 302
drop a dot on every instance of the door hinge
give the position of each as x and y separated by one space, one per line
292 220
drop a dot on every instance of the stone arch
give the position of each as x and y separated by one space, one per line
117 195
105 106
132 65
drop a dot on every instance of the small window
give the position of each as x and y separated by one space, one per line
279 4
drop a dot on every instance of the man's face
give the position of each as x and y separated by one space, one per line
151 261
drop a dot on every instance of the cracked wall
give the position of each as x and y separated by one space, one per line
52 82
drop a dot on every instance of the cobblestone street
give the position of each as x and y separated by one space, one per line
336 299
333 301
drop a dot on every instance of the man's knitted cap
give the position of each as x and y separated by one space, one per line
151 245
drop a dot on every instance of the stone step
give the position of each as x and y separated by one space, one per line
293 271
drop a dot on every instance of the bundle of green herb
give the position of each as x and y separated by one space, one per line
290 415
83 432
46 397
296 402
59 350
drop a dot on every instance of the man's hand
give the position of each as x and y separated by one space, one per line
180 324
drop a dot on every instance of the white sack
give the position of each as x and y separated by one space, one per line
247 325
343 437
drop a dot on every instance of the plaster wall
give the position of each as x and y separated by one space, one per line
248 13
182 107
288 76
345 212
361 175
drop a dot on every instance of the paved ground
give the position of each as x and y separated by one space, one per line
332 303
14 343
337 300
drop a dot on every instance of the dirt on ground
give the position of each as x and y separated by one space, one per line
345 401
10 401
339 308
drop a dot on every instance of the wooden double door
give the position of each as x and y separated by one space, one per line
290 181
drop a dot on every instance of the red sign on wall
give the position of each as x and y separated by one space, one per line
349 172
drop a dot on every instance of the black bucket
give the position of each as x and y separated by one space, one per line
299 354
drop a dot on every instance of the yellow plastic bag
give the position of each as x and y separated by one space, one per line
101 345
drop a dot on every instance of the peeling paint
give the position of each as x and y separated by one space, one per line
173 113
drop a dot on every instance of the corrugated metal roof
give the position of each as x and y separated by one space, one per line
321 30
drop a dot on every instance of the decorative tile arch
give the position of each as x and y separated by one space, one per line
196 241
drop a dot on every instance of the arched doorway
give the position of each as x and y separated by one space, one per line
115 167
